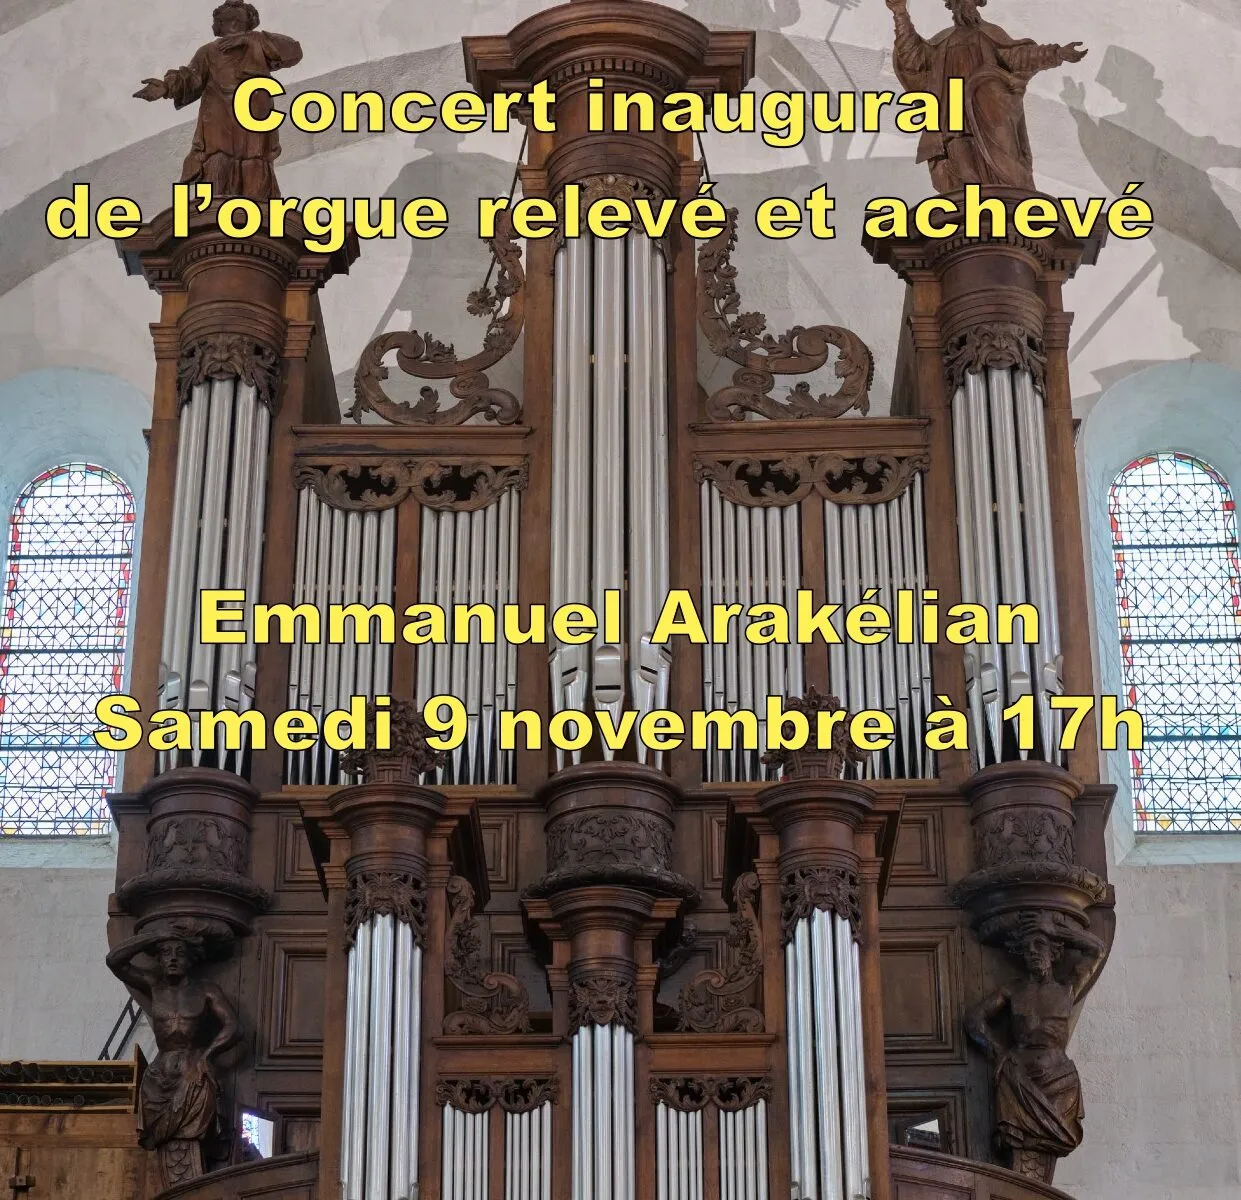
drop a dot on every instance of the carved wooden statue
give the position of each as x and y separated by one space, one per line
994 147
1038 1093
193 1022
235 161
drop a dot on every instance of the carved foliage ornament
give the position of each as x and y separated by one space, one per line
813 762
611 847
724 1001
601 1000
385 893
761 356
447 487
832 889
778 483
491 1001
197 843
692 1093
422 356
997 345
229 356
408 750
511 1095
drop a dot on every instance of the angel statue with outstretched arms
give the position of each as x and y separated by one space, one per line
993 147
235 161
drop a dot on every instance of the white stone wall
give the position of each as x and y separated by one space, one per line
1158 1041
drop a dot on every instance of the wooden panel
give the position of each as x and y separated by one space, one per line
500 849
920 995
713 823
295 866
919 857
292 996
914 1106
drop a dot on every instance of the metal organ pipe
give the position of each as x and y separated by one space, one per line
610 508
603 1126
1004 524
341 558
827 1096
749 556
881 547
219 501
383 1027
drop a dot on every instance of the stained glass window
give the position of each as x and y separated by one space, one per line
62 646
1178 601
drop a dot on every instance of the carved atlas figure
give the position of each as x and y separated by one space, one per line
994 147
1038 1092
193 1023
235 161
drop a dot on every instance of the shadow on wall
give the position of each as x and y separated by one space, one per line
440 273
1196 239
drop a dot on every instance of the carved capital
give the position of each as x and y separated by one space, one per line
725 1001
229 356
491 1001
813 761
601 999
830 889
385 893
994 345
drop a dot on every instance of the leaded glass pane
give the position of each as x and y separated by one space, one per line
62 647
1178 601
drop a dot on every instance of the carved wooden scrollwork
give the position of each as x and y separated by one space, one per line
994 344
421 355
777 483
602 998
491 1001
694 1093
229 356
383 893
723 1001
761 356
360 486
510 1095
832 889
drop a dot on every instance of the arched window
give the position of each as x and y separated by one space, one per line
62 646
1178 601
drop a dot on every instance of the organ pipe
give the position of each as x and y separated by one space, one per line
610 504
471 558
827 1097
749 556
379 1132
603 1122
881 547
219 503
342 558
1004 526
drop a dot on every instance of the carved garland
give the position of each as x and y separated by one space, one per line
229 356
447 487
385 893
511 1095
778 483
491 1001
998 345
692 1094
421 355
761 356
601 999
722 1001
832 889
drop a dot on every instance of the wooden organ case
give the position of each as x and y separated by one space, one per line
577 975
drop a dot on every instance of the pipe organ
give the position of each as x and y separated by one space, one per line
669 972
